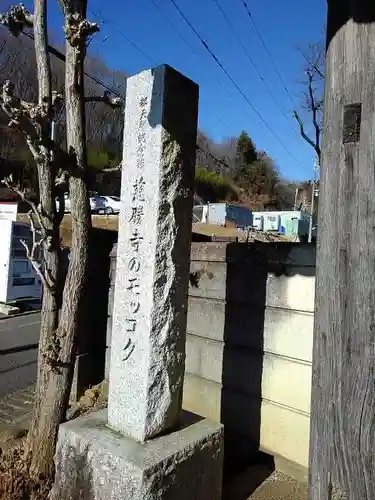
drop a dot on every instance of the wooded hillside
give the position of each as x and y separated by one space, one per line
231 170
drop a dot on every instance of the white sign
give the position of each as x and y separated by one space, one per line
8 211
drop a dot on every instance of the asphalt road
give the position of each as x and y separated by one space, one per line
19 336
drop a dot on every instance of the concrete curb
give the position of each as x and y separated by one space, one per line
17 315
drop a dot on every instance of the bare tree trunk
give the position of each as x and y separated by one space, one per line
46 176
61 321
49 314
54 382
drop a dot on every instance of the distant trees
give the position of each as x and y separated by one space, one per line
246 153
234 170
255 170
246 172
211 186
104 124
243 173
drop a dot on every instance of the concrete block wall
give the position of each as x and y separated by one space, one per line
249 344
19 337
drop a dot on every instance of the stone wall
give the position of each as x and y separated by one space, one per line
249 344
90 361
20 335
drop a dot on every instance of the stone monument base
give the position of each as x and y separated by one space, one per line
94 462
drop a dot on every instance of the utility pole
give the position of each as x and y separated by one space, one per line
296 197
342 433
53 133
313 194
53 129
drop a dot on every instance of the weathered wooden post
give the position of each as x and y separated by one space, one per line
342 449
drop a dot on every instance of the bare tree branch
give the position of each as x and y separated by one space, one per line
63 298
34 209
107 98
318 71
304 135
314 109
66 5
15 110
77 28
314 57
17 19
28 117
32 256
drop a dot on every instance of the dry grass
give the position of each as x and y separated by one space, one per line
231 232
15 482
110 223
107 222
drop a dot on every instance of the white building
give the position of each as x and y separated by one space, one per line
222 214
291 223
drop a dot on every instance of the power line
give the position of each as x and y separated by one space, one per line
224 164
97 52
253 64
245 4
213 55
188 45
4 65
99 15
164 15
193 50
59 55
210 155
62 57
249 58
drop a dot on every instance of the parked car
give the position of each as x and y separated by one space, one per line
112 204
97 204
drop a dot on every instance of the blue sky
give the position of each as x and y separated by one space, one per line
223 110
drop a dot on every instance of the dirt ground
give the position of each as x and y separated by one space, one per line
258 482
110 223
15 482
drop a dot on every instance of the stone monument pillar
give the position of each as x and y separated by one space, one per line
153 254
146 447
